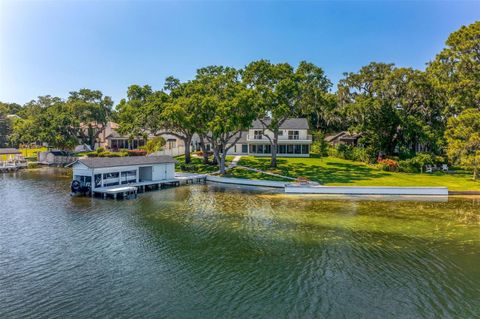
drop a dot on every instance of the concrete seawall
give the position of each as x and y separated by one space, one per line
243 181
293 188
365 190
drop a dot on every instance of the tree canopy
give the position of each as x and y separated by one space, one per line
399 111
455 71
463 136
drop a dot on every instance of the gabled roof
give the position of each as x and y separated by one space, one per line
242 140
103 162
293 123
344 135
59 153
331 138
9 151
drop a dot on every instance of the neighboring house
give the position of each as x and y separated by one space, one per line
344 137
58 158
96 172
293 140
109 138
11 156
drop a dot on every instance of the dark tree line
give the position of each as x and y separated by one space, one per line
395 108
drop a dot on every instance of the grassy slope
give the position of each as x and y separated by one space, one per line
334 171
197 165
238 172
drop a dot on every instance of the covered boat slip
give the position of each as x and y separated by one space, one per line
135 188
11 159
123 176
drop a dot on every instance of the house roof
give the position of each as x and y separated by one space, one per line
242 140
352 136
4 151
333 137
293 123
115 134
103 162
59 153
344 135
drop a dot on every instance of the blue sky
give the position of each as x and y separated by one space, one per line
53 47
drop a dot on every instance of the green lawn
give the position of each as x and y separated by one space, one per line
334 171
239 172
196 165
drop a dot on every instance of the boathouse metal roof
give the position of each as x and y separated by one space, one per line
292 123
4 151
103 162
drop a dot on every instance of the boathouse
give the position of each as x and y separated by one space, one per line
100 173
11 159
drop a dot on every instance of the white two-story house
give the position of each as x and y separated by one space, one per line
293 140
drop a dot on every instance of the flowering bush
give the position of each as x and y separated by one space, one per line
137 152
388 165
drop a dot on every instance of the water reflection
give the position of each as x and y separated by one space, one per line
211 251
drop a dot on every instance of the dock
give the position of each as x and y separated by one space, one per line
8 166
132 189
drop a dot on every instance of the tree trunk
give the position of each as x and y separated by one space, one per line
222 163
203 147
475 173
274 150
187 150
216 160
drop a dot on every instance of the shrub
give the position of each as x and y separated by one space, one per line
187 167
319 145
333 152
110 154
353 153
389 165
154 145
92 154
408 166
100 150
418 162
136 152
362 154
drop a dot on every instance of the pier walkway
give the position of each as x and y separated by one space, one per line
134 188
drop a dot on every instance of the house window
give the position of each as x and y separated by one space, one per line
129 177
282 149
98 180
119 144
304 149
110 175
289 149
172 143
280 133
257 135
244 148
293 135
298 149
267 149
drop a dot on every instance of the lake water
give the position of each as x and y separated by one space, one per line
207 251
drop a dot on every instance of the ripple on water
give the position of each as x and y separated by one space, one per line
214 252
